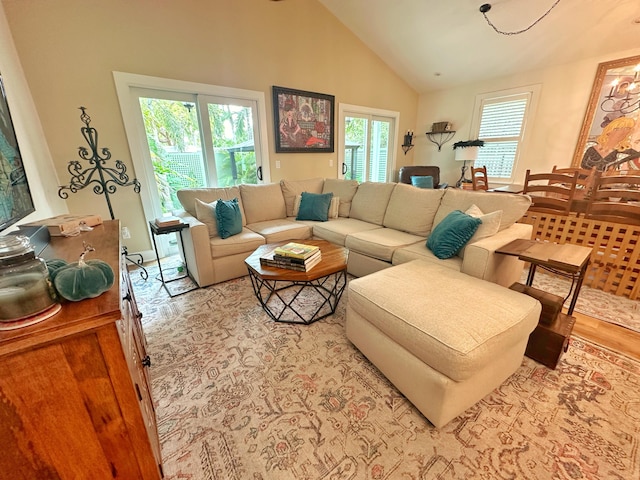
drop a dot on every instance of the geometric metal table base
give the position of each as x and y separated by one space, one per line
300 301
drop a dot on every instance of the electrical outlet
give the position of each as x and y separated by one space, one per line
125 233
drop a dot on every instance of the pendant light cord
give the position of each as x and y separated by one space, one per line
486 7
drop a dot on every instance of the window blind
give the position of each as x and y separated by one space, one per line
501 128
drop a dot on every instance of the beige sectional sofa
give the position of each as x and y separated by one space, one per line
382 224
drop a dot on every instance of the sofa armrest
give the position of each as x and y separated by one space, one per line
197 249
481 260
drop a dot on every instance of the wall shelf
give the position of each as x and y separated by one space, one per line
440 138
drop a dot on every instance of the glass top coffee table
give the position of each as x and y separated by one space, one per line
300 297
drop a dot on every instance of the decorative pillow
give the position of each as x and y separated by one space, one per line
489 226
334 206
228 217
314 206
206 213
452 233
422 181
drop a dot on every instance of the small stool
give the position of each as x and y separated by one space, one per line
443 338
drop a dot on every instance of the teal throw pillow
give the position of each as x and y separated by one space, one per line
228 217
422 181
314 206
452 233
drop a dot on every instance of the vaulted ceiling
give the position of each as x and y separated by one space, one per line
436 44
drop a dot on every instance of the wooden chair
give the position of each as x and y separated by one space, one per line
586 177
550 192
615 198
479 178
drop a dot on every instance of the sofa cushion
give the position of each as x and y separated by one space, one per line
336 231
452 233
513 206
206 213
262 202
244 242
489 226
412 209
281 229
370 202
419 251
343 189
291 188
314 206
187 197
457 328
228 217
380 243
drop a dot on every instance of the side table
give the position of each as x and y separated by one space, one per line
551 337
156 230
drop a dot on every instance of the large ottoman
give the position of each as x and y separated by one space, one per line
443 338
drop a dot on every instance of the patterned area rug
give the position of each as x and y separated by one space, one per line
241 397
593 302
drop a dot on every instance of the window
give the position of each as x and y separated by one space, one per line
184 134
500 120
366 144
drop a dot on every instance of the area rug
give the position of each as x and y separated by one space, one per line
240 397
591 301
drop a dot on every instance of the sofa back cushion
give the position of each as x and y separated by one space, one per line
187 197
370 202
262 202
513 206
342 189
412 209
293 188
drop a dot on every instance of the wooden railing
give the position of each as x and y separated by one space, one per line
615 261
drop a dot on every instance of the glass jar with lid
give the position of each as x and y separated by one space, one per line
25 286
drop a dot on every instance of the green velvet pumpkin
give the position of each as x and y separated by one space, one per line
55 264
84 279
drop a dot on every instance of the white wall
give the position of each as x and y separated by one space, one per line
69 50
33 147
552 132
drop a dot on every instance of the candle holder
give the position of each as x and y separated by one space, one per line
105 180
408 142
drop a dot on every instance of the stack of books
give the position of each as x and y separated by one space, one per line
293 256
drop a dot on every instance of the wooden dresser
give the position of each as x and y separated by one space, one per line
75 397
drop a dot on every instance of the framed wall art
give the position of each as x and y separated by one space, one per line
303 121
610 135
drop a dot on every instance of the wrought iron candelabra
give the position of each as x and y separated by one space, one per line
104 180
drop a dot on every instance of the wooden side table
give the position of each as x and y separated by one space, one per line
550 339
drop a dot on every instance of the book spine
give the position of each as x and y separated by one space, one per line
285 253
299 261
280 264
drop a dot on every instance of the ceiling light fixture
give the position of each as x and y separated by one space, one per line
484 8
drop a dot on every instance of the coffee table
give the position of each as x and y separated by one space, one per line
300 297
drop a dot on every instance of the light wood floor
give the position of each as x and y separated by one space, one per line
608 335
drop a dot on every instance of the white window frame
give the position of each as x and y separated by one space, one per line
532 93
126 86
347 110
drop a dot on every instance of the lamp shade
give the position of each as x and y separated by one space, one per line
466 154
